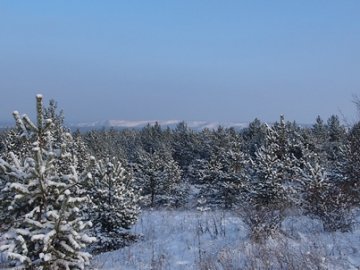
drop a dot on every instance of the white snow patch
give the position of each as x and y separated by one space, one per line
182 240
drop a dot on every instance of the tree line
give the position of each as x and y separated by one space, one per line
264 170
63 193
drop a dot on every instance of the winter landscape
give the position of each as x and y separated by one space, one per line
274 196
179 135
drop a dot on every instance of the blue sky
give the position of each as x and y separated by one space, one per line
187 60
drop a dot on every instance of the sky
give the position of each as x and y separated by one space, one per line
227 61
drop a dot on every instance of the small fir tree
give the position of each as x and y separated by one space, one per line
322 196
274 170
46 229
114 202
158 176
272 165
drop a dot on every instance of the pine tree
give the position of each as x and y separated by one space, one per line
323 197
316 184
183 144
270 180
114 202
335 139
18 140
57 119
319 131
254 136
222 177
46 228
80 153
336 131
352 169
275 166
151 138
158 175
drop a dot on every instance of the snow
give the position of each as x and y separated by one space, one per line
19 187
174 237
37 237
220 240
23 231
196 125
46 257
87 239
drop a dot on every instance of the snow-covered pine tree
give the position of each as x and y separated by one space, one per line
114 202
336 134
152 138
80 152
270 182
179 187
111 143
197 171
352 171
222 178
47 229
316 184
273 167
158 176
212 176
254 136
17 139
236 168
183 144
219 174
57 119
319 133
321 195
3 134
268 188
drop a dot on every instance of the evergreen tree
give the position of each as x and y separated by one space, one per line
17 139
335 139
3 135
254 136
152 138
322 197
336 132
80 152
348 167
275 166
104 143
222 177
159 176
183 145
319 132
130 142
114 202
270 180
45 204
198 171
57 119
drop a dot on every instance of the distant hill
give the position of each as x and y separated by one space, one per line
124 124
128 124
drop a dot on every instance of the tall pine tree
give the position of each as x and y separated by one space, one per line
45 227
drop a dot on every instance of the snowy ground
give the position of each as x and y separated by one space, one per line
219 240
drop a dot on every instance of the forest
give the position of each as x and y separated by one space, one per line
68 195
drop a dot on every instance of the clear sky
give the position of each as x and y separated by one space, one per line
181 59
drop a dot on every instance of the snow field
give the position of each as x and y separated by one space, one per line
182 240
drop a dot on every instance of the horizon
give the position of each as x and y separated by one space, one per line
221 62
172 123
